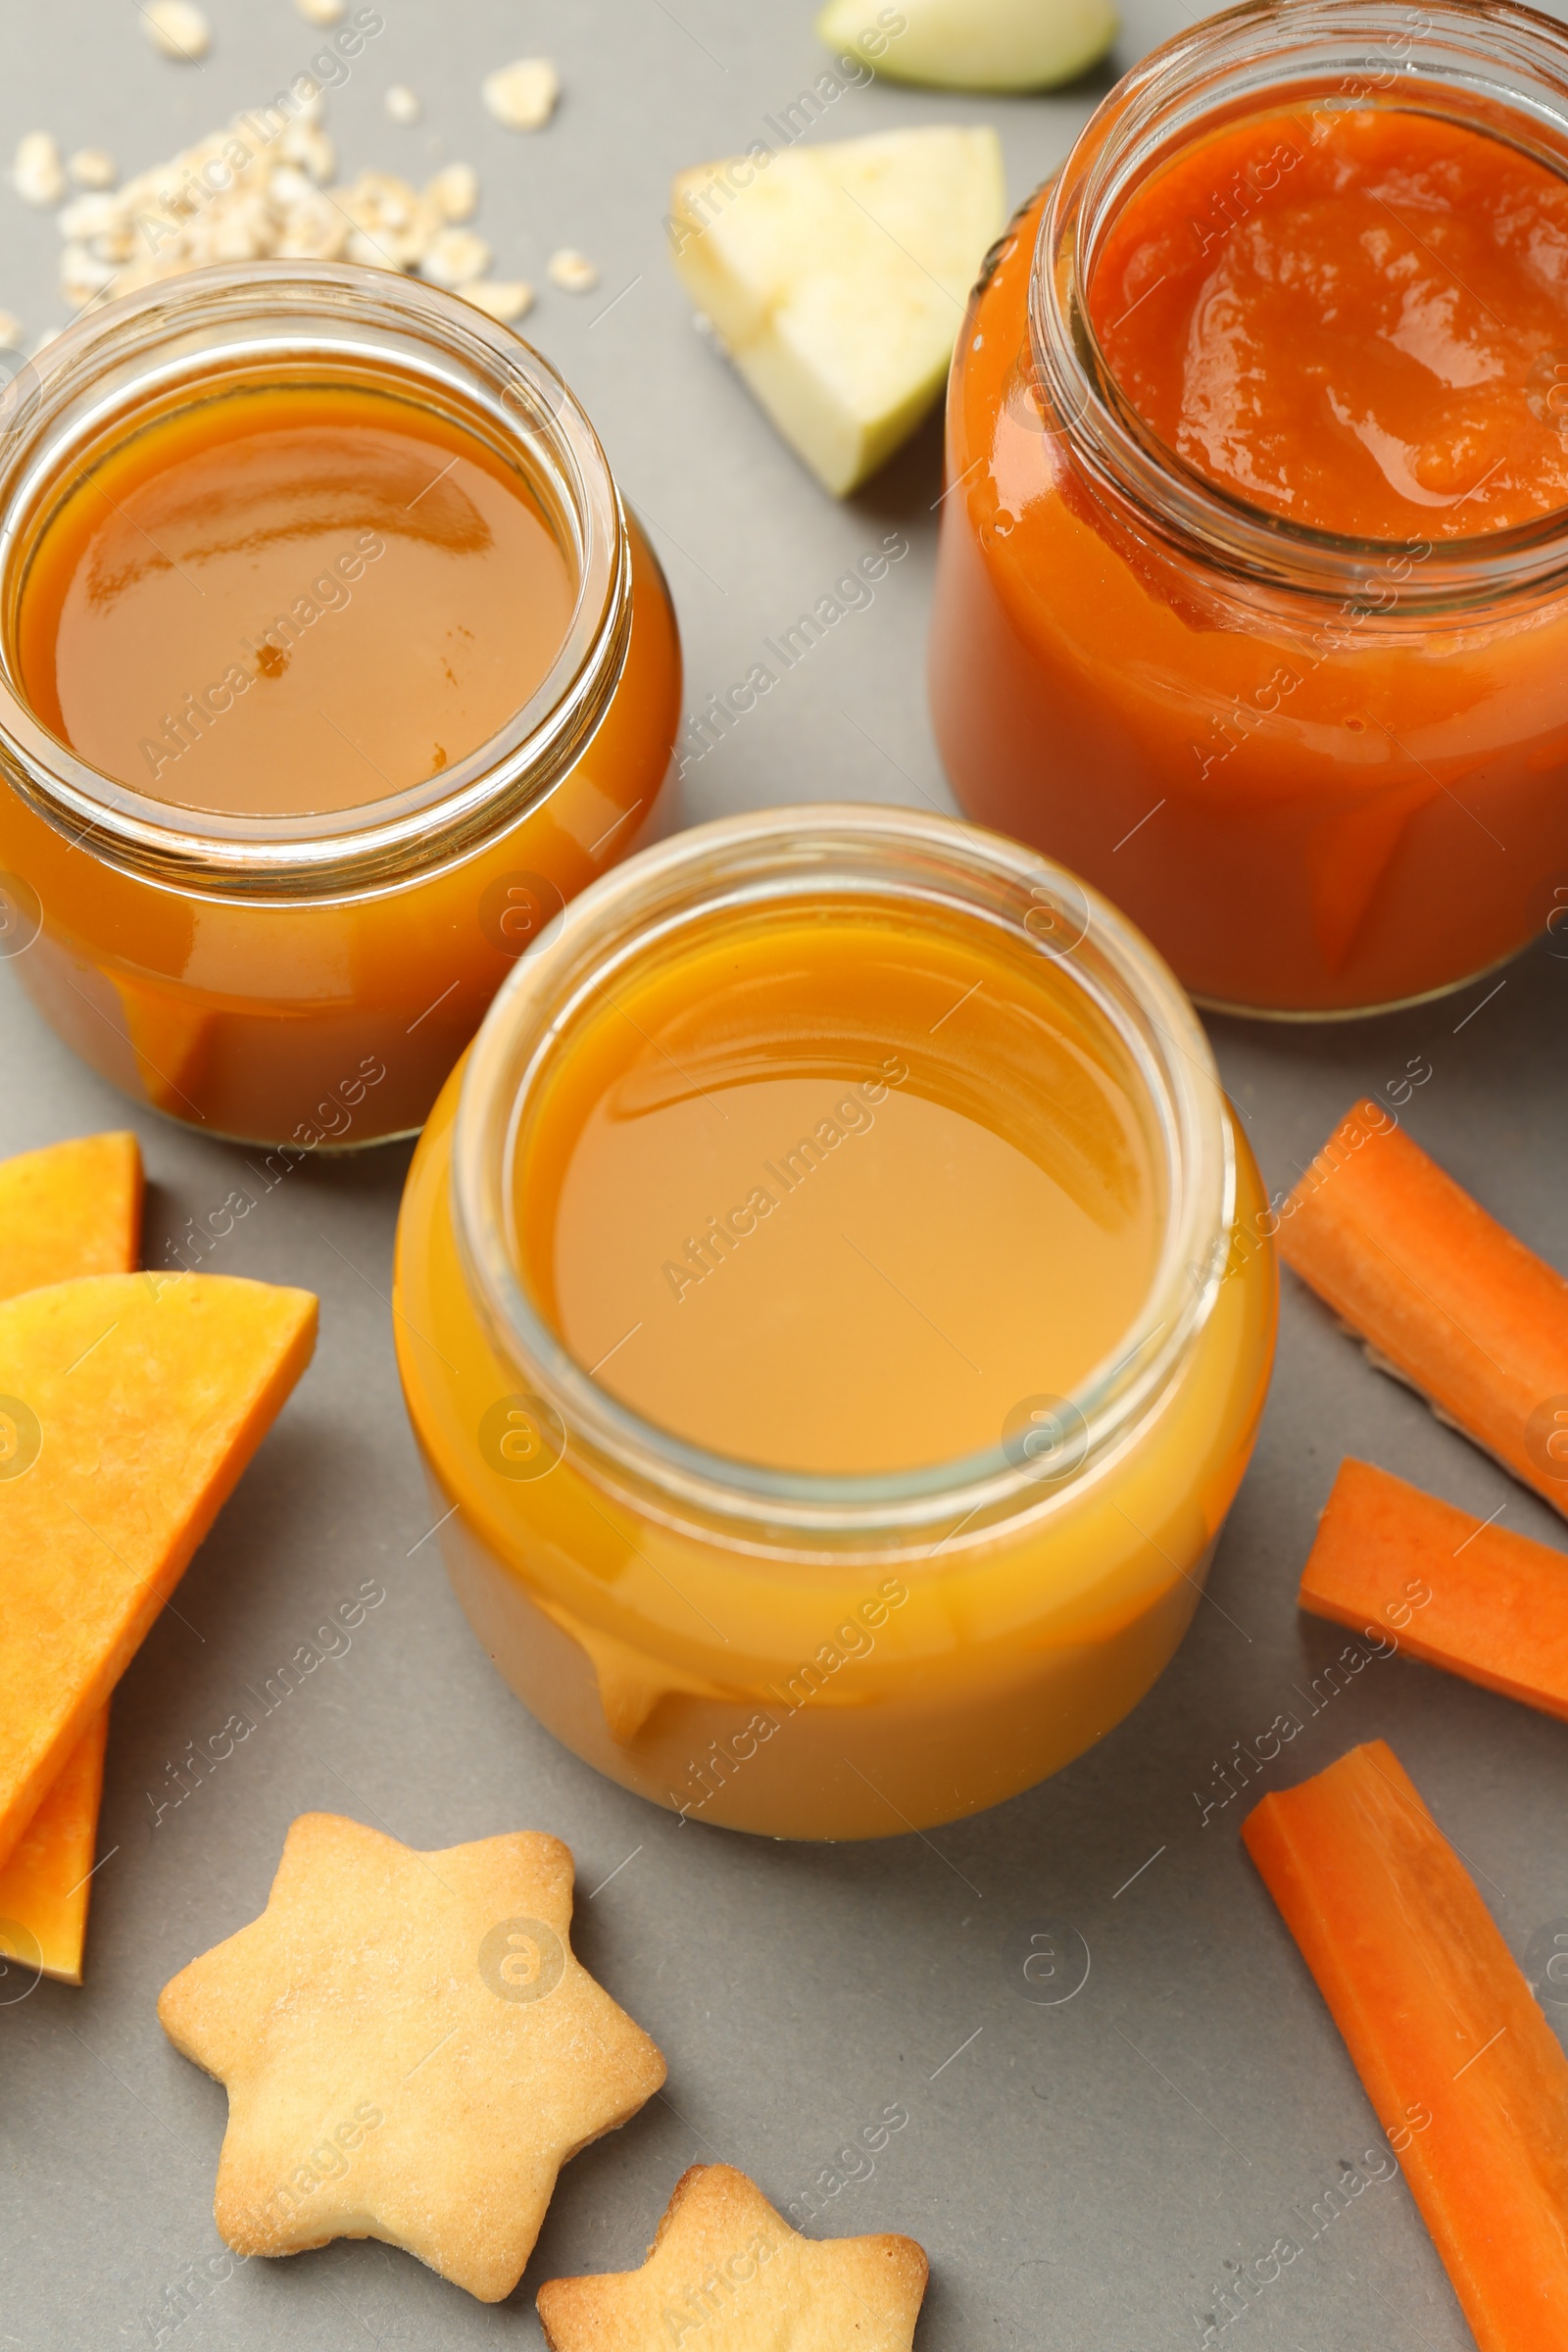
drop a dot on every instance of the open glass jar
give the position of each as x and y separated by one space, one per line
309 978
1325 774
850 1652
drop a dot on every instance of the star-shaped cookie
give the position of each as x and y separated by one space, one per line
730 2273
410 2048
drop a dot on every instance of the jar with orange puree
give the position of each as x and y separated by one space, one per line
1253 597
834 1308
330 666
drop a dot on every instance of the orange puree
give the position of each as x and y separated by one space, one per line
835 1192
290 599
1356 330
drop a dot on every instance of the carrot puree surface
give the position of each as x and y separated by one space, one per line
289 599
835 1191
1363 331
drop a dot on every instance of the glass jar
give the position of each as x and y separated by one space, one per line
830 1656
311 980
1325 775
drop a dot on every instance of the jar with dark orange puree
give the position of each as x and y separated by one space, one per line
330 667
1253 602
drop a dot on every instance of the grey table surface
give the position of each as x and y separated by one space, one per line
1080 2174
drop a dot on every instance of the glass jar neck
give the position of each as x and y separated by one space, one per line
755 864
182 339
1497 67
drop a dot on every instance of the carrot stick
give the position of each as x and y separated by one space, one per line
1458 1592
1443 1295
1468 2080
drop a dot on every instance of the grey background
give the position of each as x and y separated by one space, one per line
1079 2174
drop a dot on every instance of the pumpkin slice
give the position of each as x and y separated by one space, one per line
129 1404
45 1886
70 1210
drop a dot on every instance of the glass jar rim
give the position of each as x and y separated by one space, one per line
757 860
1490 54
105 367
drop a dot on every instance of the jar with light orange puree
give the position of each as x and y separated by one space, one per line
330 666
834 1306
1252 599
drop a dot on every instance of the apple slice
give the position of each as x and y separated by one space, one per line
973 44
129 1404
70 1210
836 277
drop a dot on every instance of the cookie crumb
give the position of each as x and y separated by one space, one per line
10 332
322 12
177 29
402 104
522 96
573 271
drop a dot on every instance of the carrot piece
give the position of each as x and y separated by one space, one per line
1443 1295
1468 2080
1458 1592
129 1406
70 1210
44 1910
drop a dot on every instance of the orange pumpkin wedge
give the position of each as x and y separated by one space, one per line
45 1886
1444 1297
1457 1592
1466 2076
129 1404
70 1210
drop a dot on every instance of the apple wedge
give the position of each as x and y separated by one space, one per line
973 44
129 1404
836 278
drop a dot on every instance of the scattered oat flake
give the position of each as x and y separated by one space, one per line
176 27
322 12
455 192
261 189
10 332
454 258
402 104
573 271
504 299
522 96
93 168
37 174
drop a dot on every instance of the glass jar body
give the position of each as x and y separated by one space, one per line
330 1023
795 1698
308 978
1319 794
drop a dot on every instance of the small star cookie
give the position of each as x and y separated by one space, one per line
410 2048
730 2273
